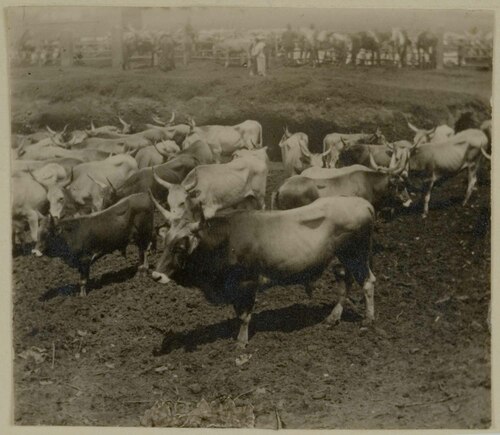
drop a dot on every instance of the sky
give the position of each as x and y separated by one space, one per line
341 20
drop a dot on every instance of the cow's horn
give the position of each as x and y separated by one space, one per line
172 118
412 127
64 129
122 121
99 183
374 165
161 182
50 130
92 126
159 152
111 184
485 154
165 213
158 120
38 181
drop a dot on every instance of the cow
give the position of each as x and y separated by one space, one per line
82 240
400 43
426 49
109 131
224 140
30 197
242 251
334 143
29 165
157 154
382 187
56 152
295 153
88 180
382 154
432 163
436 134
174 171
240 46
210 188
370 42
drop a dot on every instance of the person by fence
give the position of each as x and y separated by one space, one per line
258 56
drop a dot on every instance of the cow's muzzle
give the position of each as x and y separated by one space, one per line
407 203
160 277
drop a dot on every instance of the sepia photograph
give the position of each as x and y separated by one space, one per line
250 217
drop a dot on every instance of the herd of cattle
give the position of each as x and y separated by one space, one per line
397 46
83 194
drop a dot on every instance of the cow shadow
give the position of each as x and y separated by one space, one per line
112 277
287 319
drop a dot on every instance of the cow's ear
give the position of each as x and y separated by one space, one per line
194 193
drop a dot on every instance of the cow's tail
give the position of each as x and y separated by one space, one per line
485 154
274 199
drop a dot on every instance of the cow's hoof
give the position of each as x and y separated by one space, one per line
424 216
240 345
36 253
367 322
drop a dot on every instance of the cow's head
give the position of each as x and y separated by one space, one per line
397 173
52 236
62 138
167 148
422 135
182 199
285 137
179 242
126 127
163 123
260 154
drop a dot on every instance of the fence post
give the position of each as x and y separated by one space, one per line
440 49
66 48
117 47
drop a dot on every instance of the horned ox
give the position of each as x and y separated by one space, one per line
383 187
157 154
295 153
88 180
225 140
245 250
210 188
436 134
174 171
334 144
30 200
433 163
83 240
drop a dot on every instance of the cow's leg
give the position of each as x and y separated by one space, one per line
32 216
427 198
243 306
84 269
143 258
472 172
336 313
369 290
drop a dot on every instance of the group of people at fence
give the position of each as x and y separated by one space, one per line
305 45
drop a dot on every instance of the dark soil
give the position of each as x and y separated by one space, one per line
107 358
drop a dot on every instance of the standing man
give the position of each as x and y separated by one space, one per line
259 55
288 43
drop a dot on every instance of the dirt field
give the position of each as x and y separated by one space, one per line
108 358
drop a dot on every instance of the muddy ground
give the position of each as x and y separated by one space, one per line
109 357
